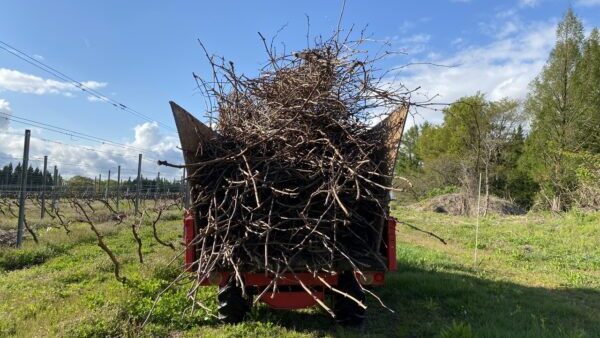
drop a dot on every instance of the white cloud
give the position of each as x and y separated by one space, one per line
503 24
588 3
78 157
4 108
418 38
16 81
409 25
502 68
39 57
147 135
529 3
510 27
457 41
414 44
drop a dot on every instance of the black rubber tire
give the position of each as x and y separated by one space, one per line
233 307
347 311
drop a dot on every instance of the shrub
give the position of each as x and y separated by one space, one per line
442 191
14 259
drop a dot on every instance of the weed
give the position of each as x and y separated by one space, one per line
13 259
457 330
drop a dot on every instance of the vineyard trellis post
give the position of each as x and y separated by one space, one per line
54 187
106 192
139 184
185 198
44 178
186 187
22 194
157 192
181 189
118 184
7 182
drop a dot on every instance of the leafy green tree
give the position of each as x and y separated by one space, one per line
476 136
556 119
513 181
80 182
587 79
408 158
456 148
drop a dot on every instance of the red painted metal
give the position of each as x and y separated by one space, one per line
291 300
260 279
189 232
391 245
378 278
371 278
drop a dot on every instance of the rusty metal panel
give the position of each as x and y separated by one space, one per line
193 134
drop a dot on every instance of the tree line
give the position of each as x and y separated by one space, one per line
148 185
10 180
10 177
543 152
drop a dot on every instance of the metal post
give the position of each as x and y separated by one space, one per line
44 187
183 189
157 185
99 192
186 190
23 192
118 185
7 187
54 188
107 186
59 191
139 184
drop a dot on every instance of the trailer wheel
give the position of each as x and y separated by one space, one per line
233 307
347 311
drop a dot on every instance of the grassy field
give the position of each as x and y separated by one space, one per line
536 276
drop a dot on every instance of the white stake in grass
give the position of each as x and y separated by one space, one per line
477 222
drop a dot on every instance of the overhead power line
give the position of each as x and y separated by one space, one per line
86 148
77 84
67 132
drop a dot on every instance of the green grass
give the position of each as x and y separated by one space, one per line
536 276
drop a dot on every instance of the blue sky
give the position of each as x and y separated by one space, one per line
143 54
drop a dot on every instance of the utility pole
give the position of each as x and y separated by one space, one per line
99 192
118 185
25 166
44 187
139 184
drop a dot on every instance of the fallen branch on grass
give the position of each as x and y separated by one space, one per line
423 231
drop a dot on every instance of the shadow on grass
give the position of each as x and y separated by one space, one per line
426 302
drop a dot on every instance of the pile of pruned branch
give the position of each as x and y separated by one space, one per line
296 178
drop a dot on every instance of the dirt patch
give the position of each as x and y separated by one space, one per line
457 204
8 237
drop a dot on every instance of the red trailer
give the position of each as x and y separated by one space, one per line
292 287
233 306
